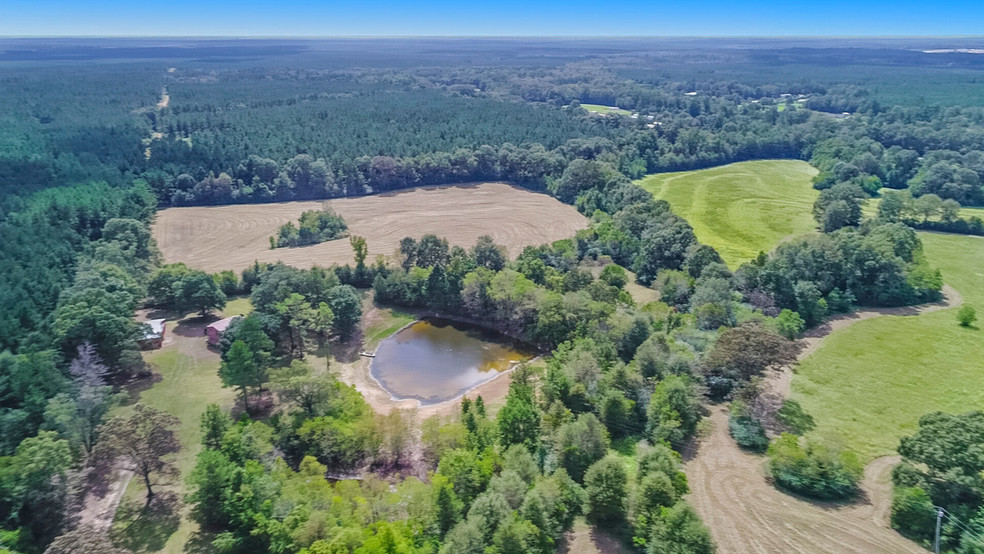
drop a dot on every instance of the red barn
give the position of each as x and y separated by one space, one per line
214 331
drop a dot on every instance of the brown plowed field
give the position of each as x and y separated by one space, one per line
747 514
214 238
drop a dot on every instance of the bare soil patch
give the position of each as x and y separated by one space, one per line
165 100
102 499
215 238
584 538
747 514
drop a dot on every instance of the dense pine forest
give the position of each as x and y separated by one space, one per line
94 141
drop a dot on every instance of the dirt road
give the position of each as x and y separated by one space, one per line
747 514
101 501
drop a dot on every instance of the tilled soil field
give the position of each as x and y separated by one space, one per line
214 238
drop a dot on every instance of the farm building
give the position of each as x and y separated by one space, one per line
214 331
153 334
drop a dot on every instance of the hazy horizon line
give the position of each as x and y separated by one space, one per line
545 36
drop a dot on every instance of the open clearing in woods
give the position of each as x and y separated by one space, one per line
742 208
867 385
185 380
745 513
861 397
215 238
605 110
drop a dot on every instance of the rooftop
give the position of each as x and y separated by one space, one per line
154 329
222 324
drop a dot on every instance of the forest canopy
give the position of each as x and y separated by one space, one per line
89 153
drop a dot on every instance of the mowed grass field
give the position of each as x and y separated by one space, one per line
868 384
215 238
743 208
185 381
870 210
598 108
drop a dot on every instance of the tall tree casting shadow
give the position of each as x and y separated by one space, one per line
147 528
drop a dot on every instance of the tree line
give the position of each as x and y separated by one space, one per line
79 260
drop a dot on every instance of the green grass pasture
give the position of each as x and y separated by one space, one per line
598 108
868 384
743 208
185 381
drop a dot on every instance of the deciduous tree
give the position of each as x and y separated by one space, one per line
606 484
144 441
749 349
241 370
581 443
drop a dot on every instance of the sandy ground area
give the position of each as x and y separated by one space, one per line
747 514
215 238
355 370
99 507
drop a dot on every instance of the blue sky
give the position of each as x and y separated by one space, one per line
489 17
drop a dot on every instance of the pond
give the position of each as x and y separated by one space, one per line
434 360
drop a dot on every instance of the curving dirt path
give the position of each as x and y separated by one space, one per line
745 513
99 507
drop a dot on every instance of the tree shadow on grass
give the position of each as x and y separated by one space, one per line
194 326
200 542
346 349
137 386
147 528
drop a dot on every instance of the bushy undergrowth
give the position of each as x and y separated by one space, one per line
813 470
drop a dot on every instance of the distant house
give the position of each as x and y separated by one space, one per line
214 331
153 334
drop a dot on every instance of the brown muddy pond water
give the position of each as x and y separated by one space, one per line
434 360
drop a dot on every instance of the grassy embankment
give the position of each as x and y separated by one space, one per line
869 383
742 208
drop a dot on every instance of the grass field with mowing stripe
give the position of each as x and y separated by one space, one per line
598 108
185 381
743 208
869 383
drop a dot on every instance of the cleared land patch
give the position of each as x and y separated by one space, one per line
605 110
868 384
214 238
743 208
185 381
745 513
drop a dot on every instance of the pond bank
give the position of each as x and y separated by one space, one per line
357 372
434 359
